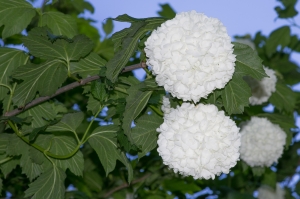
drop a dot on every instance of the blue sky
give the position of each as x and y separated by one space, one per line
239 16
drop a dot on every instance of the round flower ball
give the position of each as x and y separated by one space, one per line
262 90
266 192
199 141
191 55
262 142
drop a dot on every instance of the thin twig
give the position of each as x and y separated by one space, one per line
67 88
125 185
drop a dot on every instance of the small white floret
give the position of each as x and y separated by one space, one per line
262 90
191 55
199 141
266 192
262 142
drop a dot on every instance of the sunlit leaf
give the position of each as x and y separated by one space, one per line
59 23
39 45
15 15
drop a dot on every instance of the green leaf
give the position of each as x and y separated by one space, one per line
93 180
180 185
69 122
122 157
49 185
288 10
103 140
236 92
1 186
118 38
37 79
40 115
88 66
258 171
166 11
16 146
280 36
8 166
284 121
144 133
59 23
129 42
40 46
269 178
98 91
129 45
43 140
30 168
283 98
15 15
3 142
135 103
10 59
108 26
63 145
125 144
93 104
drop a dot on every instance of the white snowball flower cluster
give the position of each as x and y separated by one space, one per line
265 192
198 140
262 90
191 55
262 142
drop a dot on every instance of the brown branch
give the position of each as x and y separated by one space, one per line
67 88
125 185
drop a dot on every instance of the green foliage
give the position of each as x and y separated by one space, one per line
283 98
59 23
49 185
15 16
166 11
88 66
40 45
10 59
236 93
288 10
128 39
144 134
34 76
104 141
70 114
279 37
135 103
